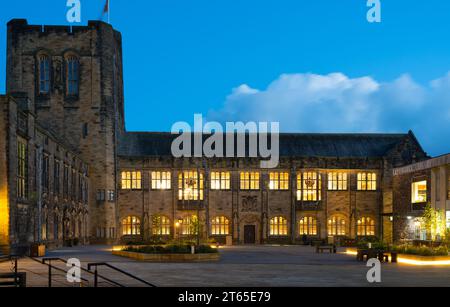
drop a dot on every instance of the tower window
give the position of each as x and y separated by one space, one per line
22 173
72 76
44 74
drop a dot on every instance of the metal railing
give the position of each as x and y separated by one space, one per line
50 267
19 279
96 275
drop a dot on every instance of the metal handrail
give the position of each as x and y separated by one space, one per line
18 279
44 260
116 269
50 267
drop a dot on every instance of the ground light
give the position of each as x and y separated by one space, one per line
412 260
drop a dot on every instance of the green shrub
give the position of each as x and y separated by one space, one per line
420 250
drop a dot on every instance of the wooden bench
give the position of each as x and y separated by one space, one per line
322 248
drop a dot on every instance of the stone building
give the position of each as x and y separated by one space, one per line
70 170
416 186
43 182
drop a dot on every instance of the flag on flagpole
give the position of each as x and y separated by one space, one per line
106 9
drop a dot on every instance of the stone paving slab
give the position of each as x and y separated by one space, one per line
250 266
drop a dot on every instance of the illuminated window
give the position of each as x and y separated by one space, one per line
189 186
161 225
279 181
131 180
337 181
44 74
189 225
22 173
336 226
366 227
161 180
309 186
419 192
220 226
307 226
278 226
72 76
220 180
367 182
131 226
249 180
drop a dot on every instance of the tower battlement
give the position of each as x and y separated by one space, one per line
21 25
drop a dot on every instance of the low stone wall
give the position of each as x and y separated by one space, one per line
168 257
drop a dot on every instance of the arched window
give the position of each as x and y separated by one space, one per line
44 74
161 225
278 226
131 225
307 226
337 226
220 226
366 226
189 225
72 75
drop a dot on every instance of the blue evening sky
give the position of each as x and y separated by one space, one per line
185 56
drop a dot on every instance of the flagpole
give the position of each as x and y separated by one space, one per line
109 11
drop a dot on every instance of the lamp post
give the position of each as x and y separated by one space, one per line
177 229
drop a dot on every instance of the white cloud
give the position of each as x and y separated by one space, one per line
337 103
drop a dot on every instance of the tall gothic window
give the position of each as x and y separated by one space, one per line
131 180
45 173
161 225
337 226
72 76
22 174
367 182
337 181
307 226
220 225
220 180
189 225
250 180
44 74
190 185
66 181
56 170
279 181
278 226
309 186
366 226
131 225
161 180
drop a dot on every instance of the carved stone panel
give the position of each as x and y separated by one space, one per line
249 204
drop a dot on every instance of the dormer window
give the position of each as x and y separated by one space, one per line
44 74
72 76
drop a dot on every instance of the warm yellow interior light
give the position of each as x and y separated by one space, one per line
4 216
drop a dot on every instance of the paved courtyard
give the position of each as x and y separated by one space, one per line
259 266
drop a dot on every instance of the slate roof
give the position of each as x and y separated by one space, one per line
151 144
